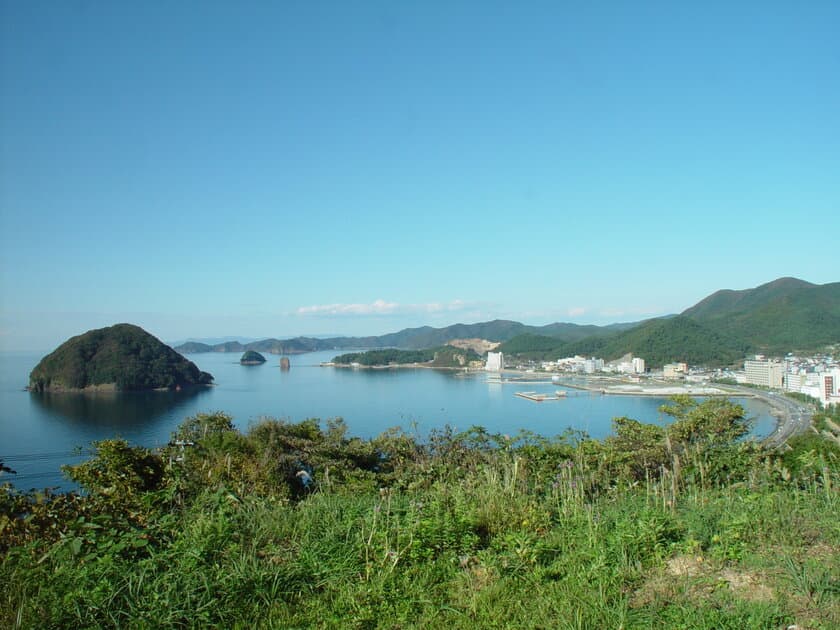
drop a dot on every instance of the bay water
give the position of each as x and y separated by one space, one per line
40 432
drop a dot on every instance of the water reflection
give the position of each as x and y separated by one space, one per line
115 410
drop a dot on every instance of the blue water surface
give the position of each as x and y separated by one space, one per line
40 432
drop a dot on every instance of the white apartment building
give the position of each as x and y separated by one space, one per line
638 365
794 381
590 366
495 362
764 373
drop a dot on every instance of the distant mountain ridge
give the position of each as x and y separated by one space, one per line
411 338
787 314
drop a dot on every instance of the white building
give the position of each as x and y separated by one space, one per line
674 370
590 366
571 364
638 365
764 373
495 362
794 382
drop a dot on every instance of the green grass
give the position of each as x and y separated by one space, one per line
467 531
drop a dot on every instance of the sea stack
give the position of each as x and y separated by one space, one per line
252 358
284 363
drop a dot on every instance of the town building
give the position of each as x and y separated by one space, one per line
764 372
794 382
829 382
590 366
674 370
495 362
571 364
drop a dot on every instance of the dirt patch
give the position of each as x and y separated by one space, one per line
479 346
685 565
747 585
692 578
822 550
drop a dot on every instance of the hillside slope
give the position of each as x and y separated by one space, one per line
780 316
658 341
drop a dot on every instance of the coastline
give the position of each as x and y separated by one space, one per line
111 388
402 366
792 417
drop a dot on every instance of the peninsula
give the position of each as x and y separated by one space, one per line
443 357
120 357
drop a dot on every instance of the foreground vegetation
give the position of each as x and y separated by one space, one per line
296 525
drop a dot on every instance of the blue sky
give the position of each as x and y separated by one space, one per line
280 168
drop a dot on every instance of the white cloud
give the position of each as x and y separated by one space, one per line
576 311
380 307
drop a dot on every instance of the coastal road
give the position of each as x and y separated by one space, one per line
794 416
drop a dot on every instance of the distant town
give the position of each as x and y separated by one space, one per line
817 376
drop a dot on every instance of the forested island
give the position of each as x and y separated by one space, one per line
121 357
250 357
442 357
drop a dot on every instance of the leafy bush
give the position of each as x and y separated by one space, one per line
463 530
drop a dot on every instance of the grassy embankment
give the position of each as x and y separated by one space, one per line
679 527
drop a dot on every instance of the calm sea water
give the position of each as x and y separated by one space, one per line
39 433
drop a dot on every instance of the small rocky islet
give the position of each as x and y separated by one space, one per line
251 357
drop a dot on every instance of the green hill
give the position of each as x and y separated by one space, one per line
123 357
781 316
658 341
661 341
778 317
728 301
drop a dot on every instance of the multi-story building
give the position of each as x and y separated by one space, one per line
674 370
793 381
830 387
590 366
495 362
764 373
638 365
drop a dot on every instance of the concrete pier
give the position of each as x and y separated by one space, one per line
536 397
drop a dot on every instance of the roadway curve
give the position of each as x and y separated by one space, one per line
793 417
